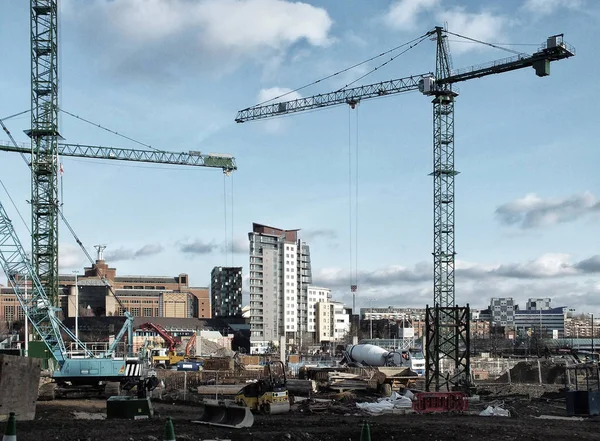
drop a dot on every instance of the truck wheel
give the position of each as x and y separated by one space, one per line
386 389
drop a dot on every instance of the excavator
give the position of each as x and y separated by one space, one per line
164 358
267 396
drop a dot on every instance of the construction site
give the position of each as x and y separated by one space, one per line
129 373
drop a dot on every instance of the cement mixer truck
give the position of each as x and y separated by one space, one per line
389 363
371 355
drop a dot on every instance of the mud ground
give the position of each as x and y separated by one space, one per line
84 420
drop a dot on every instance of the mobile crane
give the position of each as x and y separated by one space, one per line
102 374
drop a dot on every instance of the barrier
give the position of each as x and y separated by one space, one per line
440 402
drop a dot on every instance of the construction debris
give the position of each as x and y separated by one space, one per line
387 404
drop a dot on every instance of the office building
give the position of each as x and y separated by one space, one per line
539 304
545 323
502 311
226 291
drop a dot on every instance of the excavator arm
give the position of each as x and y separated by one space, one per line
168 338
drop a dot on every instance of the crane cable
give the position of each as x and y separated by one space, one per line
101 277
228 242
24 159
408 43
108 130
353 239
474 40
421 39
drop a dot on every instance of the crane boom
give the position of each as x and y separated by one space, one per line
37 306
554 49
197 159
344 96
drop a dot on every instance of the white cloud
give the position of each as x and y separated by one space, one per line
550 6
403 14
273 94
552 275
483 26
71 257
130 254
218 33
531 211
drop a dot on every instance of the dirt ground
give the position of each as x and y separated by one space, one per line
61 420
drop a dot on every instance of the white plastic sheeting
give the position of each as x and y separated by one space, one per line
494 411
386 405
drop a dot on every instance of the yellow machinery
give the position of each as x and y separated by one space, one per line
268 395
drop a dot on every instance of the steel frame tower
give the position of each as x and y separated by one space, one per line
443 178
44 135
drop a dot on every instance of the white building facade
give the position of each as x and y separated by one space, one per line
332 323
280 274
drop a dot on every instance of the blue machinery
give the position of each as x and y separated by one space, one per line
89 370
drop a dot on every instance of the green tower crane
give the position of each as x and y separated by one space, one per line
45 147
447 336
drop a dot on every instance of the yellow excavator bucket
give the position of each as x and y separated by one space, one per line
225 413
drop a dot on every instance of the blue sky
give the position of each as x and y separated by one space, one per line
173 74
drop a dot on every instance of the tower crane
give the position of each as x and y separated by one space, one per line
447 335
45 147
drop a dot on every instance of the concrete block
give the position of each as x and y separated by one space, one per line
19 383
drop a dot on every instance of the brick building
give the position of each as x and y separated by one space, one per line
143 296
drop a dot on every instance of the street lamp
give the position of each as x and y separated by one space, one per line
371 316
26 321
76 306
593 354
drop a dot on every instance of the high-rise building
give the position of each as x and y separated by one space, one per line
226 291
280 274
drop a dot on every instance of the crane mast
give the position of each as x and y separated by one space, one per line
443 178
44 135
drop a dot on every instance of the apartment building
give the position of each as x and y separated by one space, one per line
333 323
226 291
316 295
280 274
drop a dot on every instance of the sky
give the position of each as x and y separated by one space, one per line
173 74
